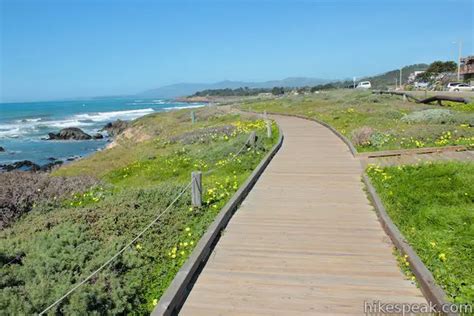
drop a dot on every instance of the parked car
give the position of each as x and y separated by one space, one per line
421 85
462 87
452 85
364 85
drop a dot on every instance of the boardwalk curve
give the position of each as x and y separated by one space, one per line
305 241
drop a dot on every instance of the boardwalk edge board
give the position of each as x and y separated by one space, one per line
418 151
176 294
432 292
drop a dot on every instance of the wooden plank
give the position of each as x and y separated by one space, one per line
305 240
412 151
413 159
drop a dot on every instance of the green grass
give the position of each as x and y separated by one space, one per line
433 206
60 243
350 111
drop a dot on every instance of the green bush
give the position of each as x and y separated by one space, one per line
436 116
56 253
21 191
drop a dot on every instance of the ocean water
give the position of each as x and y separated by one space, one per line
23 125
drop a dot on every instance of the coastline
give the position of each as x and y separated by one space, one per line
24 129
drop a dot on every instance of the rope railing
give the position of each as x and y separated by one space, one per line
74 288
249 140
195 184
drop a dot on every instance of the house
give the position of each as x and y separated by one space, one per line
467 68
412 76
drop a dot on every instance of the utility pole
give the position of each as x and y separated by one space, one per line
401 79
354 81
459 60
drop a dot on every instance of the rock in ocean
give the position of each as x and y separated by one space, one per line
70 133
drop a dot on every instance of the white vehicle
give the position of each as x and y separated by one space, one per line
462 87
452 85
421 85
364 85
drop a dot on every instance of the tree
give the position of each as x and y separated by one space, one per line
278 91
438 67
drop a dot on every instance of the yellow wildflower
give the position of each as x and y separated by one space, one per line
442 257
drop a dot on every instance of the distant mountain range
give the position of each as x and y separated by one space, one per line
184 89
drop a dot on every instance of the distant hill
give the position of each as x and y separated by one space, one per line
388 79
184 89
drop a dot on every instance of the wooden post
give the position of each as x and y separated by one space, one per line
253 139
404 98
269 129
196 189
193 117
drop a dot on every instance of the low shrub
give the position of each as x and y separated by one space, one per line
393 114
464 119
20 191
54 252
204 135
435 116
361 136
378 139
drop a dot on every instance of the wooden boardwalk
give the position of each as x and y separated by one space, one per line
305 241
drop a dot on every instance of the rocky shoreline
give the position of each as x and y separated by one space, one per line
73 133
112 129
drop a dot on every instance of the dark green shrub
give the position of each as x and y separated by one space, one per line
20 191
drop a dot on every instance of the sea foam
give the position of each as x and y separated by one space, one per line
107 116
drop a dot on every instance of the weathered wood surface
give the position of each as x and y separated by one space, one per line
427 100
440 98
196 189
409 159
411 151
305 241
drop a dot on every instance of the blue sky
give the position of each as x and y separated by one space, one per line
60 49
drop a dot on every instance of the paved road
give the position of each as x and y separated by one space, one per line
305 241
